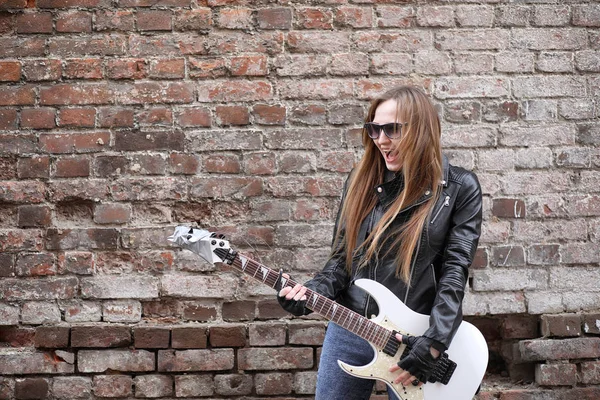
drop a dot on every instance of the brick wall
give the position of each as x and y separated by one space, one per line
120 119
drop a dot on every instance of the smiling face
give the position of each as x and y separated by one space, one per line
384 114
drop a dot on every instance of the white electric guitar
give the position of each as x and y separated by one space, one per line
459 372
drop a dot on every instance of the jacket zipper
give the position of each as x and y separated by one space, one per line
446 204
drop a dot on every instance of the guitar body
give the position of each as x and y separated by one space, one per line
468 349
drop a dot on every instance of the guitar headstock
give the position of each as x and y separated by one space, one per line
210 246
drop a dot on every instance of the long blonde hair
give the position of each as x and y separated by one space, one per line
420 155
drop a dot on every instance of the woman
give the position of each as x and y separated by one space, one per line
408 220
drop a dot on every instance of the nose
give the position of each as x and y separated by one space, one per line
382 139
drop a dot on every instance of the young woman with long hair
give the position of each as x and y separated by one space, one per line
409 220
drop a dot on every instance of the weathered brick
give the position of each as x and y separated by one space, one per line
52 336
265 358
38 289
19 362
122 311
194 385
81 311
72 387
71 167
147 189
100 336
591 323
273 383
154 20
562 325
305 382
195 360
306 333
119 287
9 314
77 117
313 18
116 360
556 374
242 310
543 254
151 337
112 213
112 385
550 349
70 239
355 17
590 372
189 338
228 336
167 69
194 19
153 386
233 384
38 312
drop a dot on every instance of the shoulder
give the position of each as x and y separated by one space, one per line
465 178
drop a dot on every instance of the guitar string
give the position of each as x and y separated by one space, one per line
372 331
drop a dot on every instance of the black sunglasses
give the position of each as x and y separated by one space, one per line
391 130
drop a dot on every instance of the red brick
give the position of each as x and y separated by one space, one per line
10 71
113 385
112 213
31 388
126 69
189 338
591 323
167 69
270 309
115 117
8 119
76 262
17 336
151 337
153 386
7 266
34 167
91 238
52 336
267 334
222 163
274 18
232 115
520 327
77 117
543 254
6 22
198 312
207 68
22 192
590 372
194 20
260 164
17 96
72 167
106 166
32 46
100 336
139 141
76 94
74 142
154 20
116 360
509 208
249 66
74 22
242 310
42 70
306 333
235 18
273 383
32 216
109 20
155 116
234 91
314 18
354 17
556 374
269 115
228 336
38 118
85 68
549 349
38 289
72 3
159 3
189 117
181 163
8 168
34 23
35 264
561 325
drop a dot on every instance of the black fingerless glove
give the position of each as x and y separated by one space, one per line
419 362
295 307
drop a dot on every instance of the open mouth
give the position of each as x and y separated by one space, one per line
390 155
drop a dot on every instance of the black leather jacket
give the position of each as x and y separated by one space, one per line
440 268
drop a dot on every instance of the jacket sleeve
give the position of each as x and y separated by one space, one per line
463 237
334 277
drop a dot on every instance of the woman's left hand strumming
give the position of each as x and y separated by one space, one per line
418 365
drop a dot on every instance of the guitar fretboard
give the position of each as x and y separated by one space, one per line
320 304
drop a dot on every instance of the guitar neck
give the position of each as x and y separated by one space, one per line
323 306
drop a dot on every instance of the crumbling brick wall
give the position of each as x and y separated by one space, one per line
120 119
